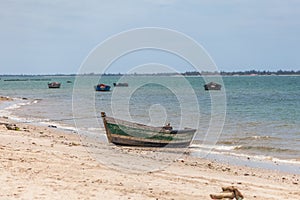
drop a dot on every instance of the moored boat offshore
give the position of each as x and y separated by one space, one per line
212 86
121 132
121 84
102 87
54 85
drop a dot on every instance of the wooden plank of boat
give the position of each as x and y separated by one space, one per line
121 132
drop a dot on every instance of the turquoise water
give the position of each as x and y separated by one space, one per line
262 112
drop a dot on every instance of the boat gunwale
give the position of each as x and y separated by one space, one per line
143 126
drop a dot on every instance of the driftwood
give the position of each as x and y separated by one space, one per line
230 192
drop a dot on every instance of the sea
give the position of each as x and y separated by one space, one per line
251 119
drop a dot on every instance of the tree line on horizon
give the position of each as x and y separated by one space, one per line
241 73
188 73
264 72
223 73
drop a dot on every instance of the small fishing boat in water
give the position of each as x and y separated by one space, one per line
102 87
54 85
212 86
121 132
121 84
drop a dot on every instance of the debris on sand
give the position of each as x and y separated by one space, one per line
2 98
13 127
8 126
230 192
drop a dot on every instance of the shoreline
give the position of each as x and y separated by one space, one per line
273 164
231 158
48 163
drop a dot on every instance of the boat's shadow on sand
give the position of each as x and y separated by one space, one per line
134 159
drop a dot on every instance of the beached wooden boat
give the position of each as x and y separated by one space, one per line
102 87
212 86
54 85
121 84
121 132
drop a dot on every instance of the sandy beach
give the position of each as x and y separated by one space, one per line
47 163
219 80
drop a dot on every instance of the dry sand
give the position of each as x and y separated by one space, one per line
46 163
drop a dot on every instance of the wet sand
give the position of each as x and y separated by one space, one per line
47 163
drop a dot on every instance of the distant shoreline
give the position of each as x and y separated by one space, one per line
188 74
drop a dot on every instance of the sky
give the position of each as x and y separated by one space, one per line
56 36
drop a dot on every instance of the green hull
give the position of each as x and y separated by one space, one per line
126 133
